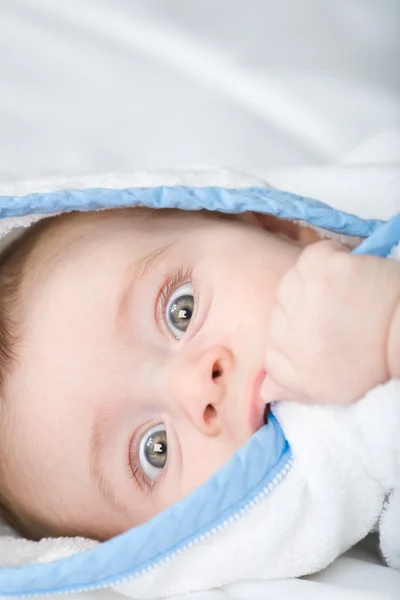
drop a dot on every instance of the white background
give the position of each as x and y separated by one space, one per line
100 85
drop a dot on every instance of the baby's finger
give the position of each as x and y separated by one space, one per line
280 368
271 391
313 259
278 331
290 291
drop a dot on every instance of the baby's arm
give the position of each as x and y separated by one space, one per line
335 331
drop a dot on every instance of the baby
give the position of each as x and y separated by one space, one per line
131 342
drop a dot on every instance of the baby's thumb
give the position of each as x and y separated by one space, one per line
271 391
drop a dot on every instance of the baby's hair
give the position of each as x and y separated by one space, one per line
22 259
16 263
13 266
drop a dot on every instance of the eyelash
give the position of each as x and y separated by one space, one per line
134 463
170 286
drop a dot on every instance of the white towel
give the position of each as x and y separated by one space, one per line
288 542
346 460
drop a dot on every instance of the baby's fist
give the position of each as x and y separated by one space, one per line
327 330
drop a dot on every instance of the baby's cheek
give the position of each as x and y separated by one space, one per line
199 462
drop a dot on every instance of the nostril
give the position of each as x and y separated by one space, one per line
217 370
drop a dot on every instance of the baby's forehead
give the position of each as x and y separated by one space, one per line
69 234
54 240
62 233
52 243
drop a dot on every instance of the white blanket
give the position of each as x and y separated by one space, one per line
345 462
242 85
364 502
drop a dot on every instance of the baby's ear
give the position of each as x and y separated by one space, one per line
281 227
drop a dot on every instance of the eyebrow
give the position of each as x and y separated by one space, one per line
96 465
134 272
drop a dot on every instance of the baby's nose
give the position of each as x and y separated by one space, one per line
203 388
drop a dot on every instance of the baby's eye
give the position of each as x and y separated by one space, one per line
180 309
153 452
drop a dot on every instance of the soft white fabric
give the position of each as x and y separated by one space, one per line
361 501
345 462
91 103
14 551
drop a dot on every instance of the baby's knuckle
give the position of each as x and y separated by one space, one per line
313 258
277 326
341 263
273 361
319 290
342 273
307 257
288 289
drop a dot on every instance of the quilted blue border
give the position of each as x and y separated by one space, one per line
275 202
234 485
248 472
382 240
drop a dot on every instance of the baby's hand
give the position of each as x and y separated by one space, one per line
329 329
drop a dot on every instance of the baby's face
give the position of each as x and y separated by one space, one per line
137 378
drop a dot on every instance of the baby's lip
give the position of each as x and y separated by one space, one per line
257 415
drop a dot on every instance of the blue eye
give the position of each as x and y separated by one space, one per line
179 310
153 451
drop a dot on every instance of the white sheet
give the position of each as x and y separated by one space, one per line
282 90
98 85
